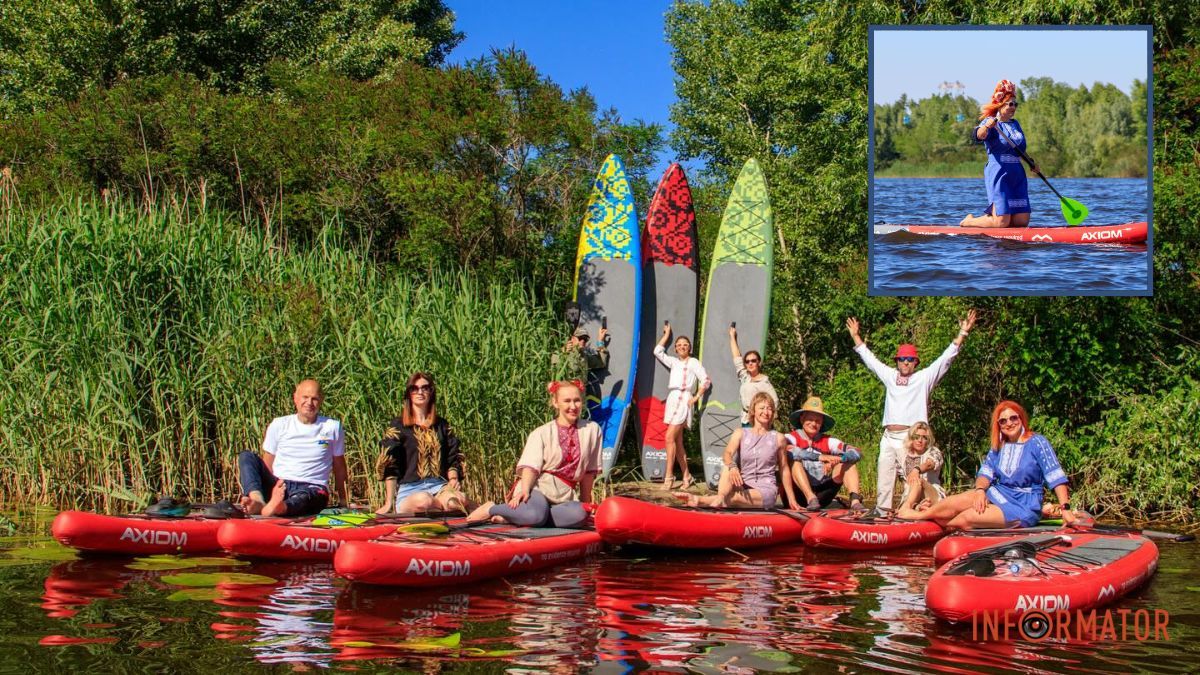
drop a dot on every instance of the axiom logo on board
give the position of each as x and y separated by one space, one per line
655 455
869 537
758 532
1102 235
438 568
156 537
1037 625
311 544
1041 237
520 559
1046 602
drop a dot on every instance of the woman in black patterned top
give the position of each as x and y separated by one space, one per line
419 460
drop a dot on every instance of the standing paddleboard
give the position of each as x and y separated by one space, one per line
608 288
670 269
739 290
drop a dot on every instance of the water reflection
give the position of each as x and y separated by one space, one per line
776 610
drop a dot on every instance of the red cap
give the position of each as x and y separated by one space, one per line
906 350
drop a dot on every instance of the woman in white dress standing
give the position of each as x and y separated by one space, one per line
686 373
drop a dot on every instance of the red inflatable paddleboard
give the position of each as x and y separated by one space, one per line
622 520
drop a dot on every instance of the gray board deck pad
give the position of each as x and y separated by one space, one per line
669 293
609 289
737 293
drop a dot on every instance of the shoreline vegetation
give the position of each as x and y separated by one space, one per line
1073 132
186 234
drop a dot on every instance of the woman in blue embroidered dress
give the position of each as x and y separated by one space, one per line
1008 488
1007 185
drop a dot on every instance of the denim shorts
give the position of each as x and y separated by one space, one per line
430 485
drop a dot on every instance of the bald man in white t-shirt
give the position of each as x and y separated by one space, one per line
299 452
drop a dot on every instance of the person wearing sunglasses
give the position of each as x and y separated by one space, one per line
1007 185
750 374
921 470
687 375
907 398
1008 488
420 460
298 453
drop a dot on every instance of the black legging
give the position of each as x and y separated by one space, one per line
537 512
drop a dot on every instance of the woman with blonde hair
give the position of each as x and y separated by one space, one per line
419 460
921 469
1007 186
755 460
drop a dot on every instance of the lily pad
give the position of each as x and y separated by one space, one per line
171 562
212 579
1173 570
203 594
1194 589
42 554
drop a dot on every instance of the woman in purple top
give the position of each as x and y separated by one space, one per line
1007 185
754 459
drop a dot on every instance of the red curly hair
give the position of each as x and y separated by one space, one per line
1003 93
997 439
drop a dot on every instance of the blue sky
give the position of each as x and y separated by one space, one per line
617 49
915 62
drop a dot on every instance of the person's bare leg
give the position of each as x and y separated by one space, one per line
970 519
276 507
673 430
1020 220
481 513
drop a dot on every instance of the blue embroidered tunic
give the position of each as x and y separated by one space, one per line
1016 472
1007 186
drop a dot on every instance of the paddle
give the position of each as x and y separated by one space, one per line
1074 212
1149 534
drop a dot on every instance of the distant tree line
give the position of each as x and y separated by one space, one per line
1072 131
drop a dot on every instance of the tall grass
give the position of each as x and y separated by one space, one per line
143 351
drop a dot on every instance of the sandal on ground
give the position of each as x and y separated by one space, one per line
668 484
224 509
167 507
856 503
814 504
688 482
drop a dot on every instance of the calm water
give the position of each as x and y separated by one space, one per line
782 610
914 265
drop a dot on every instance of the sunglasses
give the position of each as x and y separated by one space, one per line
1012 104
906 359
1013 419
750 361
920 437
423 388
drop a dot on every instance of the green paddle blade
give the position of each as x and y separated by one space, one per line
1073 211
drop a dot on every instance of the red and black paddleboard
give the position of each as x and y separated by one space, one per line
622 520
670 273
1124 233
136 534
848 531
1046 573
304 539
463 555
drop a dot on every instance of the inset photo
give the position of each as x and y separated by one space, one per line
1010 160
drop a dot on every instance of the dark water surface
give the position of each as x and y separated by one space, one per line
909 264
780 610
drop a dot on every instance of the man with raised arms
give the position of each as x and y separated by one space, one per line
907 400
299 452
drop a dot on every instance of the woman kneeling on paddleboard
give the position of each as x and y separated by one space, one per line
1007 185
420 461
1008 488
556 470
686 372
754 459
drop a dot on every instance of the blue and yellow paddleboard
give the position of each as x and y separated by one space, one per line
608 288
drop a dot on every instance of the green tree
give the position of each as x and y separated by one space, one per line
53 49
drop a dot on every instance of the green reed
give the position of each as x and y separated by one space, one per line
143 351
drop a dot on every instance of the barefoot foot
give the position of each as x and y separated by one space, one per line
251 504
275 507
481 514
